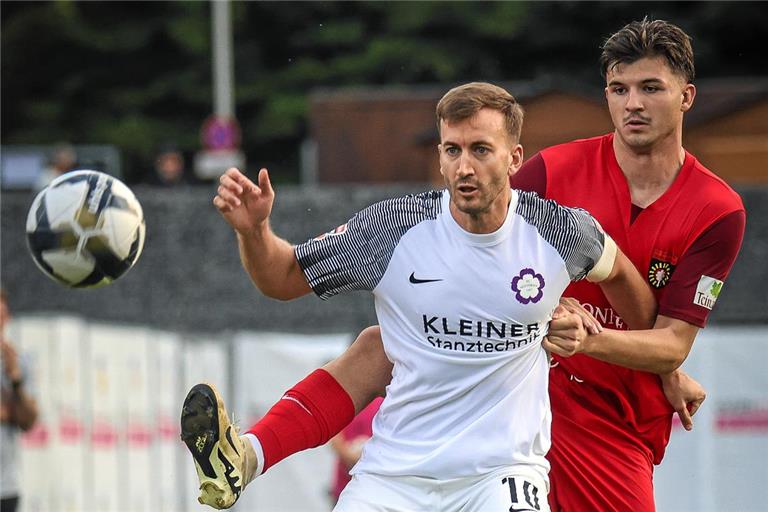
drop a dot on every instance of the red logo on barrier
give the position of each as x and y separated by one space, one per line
736 420
70 430
37 437
139 435
167 428
749 420
103 435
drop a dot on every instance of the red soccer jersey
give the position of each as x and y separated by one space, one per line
665 241
683 242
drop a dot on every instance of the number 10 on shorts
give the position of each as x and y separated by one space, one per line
524 495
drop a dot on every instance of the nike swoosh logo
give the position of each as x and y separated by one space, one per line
416 280
231 474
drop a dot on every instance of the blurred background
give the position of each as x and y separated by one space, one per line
138 75
337 100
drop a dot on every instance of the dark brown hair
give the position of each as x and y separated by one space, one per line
466 100
648 38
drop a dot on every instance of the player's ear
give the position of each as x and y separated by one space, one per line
689 93
516 160
439 154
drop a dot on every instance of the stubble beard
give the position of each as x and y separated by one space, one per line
639 142
644 142
486 199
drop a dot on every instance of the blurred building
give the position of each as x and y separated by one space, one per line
727 129
388 134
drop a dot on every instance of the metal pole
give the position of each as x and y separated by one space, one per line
223 66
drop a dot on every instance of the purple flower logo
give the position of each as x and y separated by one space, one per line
528 286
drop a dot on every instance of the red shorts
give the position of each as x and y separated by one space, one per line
595 465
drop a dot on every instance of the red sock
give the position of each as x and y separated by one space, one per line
308 415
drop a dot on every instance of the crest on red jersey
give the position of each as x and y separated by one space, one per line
659 273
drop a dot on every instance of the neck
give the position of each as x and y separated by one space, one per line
486 221
650 171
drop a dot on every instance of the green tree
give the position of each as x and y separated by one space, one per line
138 74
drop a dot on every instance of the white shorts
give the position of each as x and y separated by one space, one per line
501 491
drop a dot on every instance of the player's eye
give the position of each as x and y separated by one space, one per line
619 90
482 150
452 150
651 88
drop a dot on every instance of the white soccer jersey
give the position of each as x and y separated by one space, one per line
462 317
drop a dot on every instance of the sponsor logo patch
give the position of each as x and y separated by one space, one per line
528 286
707 292
659 273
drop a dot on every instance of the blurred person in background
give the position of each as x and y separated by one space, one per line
62 160
348 446
170 168
18 411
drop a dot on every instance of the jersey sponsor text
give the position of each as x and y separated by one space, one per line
481 328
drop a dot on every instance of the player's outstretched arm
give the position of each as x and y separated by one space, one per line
657 344
629 294
660 349
269 260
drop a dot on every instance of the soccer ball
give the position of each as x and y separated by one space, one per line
85 229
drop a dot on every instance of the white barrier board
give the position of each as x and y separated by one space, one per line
71 414
265 366
721 465
94 383
204 360
33 339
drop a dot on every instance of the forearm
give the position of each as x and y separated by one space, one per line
673 379
271 263
630 296
652 350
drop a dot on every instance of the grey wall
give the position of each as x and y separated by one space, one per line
189 277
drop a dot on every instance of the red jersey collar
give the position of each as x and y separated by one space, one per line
622 185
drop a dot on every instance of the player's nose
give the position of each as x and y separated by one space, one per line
634 101
465 167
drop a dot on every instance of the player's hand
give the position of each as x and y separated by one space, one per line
590 322
244 204
684 394
566 334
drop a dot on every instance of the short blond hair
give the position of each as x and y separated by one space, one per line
464 101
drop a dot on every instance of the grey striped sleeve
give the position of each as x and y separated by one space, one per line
356 255
573 232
